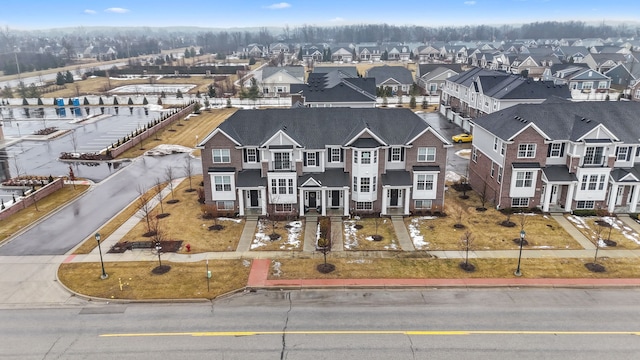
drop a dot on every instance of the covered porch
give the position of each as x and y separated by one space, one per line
252 193
558 187
624 191
323 194
396 192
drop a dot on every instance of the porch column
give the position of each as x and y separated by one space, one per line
345 202
407 200
240 202
567 204
383 211
548 189
323 195
634 198
301 201
613 195
263 197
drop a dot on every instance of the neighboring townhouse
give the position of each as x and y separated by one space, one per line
559 156
369 53
426 53
532 66
252 51
394 77
477 92
573 54
635 92
312 54
431 77
624 76
324 161
398 53
342 54
580 78
334 89
276 80
605 62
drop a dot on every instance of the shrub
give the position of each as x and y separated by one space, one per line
585 212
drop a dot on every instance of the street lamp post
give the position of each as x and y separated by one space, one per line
104 274
518 273
158 249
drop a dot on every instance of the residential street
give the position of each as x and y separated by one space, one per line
440 324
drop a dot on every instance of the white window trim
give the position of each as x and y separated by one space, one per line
221 155
529 151
426 154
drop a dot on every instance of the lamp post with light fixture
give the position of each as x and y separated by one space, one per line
104 274
517 272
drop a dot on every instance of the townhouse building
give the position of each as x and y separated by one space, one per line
325 161
478 92
559 156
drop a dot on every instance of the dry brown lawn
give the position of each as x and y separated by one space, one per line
290 238
183 281
619 232
542 232
185 223
47 205
186 132
361 239
415 268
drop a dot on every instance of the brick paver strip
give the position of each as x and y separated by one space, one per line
259 272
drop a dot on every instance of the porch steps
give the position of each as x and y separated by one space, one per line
401 232
310 229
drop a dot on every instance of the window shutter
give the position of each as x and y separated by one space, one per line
638 151
549 150
401 154
389 151
244 154
341 155
329 155
562 150
258 155
629 153
317 158
617 150
304 155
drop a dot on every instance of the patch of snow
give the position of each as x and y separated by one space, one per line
237 221
359 261
392 246
542 247
414 232
246 263
276 268
626 231
450 176
167 149
464 153
350 238
262 239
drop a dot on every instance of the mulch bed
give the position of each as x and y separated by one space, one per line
326 268
594 267
167 246
468 267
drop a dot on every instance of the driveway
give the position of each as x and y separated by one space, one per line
455 162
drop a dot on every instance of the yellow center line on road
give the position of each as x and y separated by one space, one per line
377 332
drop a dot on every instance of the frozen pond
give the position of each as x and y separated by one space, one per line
39 157
152 89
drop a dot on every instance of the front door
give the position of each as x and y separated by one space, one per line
312 199
253 195
619 195
335 198
554 194
394 197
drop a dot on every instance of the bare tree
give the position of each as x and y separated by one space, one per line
597 238
169 177
466 245
158 238
145 208
458 212
187 167
483 195
74 141
158 189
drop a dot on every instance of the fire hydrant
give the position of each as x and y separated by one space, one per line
188 246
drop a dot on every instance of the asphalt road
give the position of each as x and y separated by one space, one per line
65 229
455 163
430 324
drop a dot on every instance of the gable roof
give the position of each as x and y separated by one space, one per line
316 128
337 87
383 73
427 68
566 120
351 70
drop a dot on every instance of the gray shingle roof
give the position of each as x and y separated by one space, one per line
330 178
336 86
566 120
316 128
382 73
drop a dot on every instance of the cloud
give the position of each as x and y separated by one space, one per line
90 12
278 6
117 10
470 2
337 19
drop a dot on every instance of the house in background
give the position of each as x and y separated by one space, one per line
324 161
559 156
394 77
579 77
334 89
276 80
431 77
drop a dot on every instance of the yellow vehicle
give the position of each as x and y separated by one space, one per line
460 138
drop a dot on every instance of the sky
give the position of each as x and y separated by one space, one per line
46 14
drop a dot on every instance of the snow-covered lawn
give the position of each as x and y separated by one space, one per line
291 241
416 235
353 238
619 230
